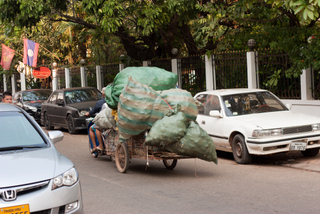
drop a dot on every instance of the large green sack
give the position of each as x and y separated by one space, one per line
195 143
173 98
134 109
167 130
156 78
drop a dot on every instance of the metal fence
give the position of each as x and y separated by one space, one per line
61 78
231 69
162 63
109 72
75 77
316 84
91 76
270 62
192 73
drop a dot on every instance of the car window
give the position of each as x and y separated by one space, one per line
16 96
60 97
53 98
248 103
201 98
35 95
82 95
212 103
12 123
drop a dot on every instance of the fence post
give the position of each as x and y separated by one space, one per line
5 85
121 66
146 63
176 68
23 81
54 77
67 77
83 74
100 82
210 73
13 84
251 70
306 84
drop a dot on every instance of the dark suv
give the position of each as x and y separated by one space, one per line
31 100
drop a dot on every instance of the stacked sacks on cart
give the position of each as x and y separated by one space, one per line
156 78
175 134
141 108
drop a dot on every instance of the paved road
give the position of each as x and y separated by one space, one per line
286 183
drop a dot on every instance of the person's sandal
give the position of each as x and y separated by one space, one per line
94 150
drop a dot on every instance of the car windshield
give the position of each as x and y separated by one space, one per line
248 103
18 133
82 95
35 95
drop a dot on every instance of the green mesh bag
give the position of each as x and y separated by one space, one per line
195 143
156 78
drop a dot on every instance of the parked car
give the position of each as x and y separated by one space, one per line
31 100
255 122
35 177
67 107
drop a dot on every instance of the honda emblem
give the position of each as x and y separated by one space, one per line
9 195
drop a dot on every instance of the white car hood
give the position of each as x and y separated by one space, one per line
23 167
278 119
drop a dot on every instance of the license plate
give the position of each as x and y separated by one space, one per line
23 209
301 146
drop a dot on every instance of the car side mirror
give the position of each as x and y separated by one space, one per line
55 136
289 106
215 113
60 103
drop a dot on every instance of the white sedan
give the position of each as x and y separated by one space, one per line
250 122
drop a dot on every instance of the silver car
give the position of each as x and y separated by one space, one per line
34 176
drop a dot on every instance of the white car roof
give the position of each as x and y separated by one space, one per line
8 107
223 92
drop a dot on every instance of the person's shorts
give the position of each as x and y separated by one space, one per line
94 127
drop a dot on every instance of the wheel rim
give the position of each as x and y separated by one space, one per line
46 120
122 157
70 124
169 162
239 149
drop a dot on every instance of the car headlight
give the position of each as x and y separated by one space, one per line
67 178
267 133
316 127
82 113
31 108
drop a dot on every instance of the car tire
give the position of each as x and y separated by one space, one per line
240 151
70 124
47 123
310 152
170 164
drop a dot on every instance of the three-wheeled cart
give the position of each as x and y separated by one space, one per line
122 152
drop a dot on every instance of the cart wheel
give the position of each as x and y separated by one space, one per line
170 163
95 154
122 157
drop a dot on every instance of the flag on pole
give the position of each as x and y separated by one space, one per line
6 57
30 53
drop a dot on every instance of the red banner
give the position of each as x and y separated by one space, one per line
7 56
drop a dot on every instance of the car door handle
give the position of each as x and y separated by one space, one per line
203 122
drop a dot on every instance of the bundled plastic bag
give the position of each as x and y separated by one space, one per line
156 78
104 119
167 130
195 143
